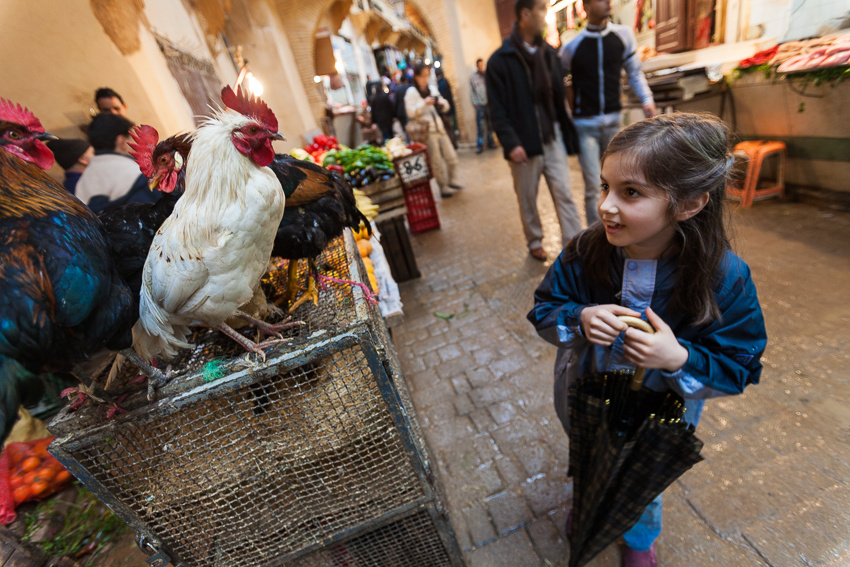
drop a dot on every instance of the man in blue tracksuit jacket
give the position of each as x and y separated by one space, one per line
596 58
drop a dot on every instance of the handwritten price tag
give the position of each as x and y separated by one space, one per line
412 168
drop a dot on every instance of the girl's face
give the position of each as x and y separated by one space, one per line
635 215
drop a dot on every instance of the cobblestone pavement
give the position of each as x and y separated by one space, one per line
773 488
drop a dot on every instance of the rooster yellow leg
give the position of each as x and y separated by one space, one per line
292 286
268 328
248 344
312 290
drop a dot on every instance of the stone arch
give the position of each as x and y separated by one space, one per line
300 19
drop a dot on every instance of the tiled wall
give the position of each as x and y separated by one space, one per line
794 19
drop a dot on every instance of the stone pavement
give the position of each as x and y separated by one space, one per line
773 487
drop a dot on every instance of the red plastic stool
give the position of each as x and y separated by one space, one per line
755 153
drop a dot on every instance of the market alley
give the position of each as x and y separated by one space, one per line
773 487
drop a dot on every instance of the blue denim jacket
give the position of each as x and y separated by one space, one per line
723 356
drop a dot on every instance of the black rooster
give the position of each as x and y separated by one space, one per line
319 206
131 228
61 296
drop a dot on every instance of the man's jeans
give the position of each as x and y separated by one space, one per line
644 533
594 135
482 117
554 167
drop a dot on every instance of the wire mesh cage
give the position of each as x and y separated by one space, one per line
272 461
406 541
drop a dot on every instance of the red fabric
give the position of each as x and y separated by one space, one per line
759 58
7 505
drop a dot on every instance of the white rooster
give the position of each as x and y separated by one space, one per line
207 259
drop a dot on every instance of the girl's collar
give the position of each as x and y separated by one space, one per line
669 253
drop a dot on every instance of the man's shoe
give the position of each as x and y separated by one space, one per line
456 187
479 150
492 146
632 558
448 192
538 254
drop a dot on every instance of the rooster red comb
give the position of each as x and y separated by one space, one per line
144 142
249 106
17 114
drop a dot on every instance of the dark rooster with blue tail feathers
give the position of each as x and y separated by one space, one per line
61 297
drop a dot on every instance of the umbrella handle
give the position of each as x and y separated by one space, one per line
637 380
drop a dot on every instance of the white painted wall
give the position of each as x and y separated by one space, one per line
476 31
56 54
806 17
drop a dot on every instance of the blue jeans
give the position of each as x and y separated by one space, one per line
594 135
644 533
482 117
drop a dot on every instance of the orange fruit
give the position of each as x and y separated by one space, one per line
46 474
30 464
39 489
15 481
62 477
20 494
30 477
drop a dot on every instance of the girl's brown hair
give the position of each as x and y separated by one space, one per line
686 156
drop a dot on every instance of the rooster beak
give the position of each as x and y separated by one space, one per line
154 181
46 136
277 136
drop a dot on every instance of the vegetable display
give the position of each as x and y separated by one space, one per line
361 166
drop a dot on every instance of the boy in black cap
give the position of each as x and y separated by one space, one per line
73 156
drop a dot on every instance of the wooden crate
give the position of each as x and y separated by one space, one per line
396 243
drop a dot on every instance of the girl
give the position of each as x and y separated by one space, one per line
661 250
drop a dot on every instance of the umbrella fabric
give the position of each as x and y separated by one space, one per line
620 465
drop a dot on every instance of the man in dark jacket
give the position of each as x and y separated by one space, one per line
383 109
398 96
525 90
450 117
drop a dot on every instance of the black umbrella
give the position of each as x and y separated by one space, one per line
627 444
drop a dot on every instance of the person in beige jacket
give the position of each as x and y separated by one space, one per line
421 103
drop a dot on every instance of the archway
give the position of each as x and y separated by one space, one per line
301 21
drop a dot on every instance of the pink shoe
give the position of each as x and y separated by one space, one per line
632 558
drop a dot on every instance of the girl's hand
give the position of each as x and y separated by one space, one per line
600 325
660 350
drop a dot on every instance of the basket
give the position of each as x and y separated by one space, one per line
279 463
422 213
415 172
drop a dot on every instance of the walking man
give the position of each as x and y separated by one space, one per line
596 57
525 91
478 94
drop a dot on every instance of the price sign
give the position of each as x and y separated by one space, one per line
412 168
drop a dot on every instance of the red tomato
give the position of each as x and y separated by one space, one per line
30 464
39 489
20 494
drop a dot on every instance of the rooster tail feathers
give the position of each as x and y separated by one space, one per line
362 218
154 334
17 384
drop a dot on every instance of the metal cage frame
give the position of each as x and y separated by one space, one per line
75 433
